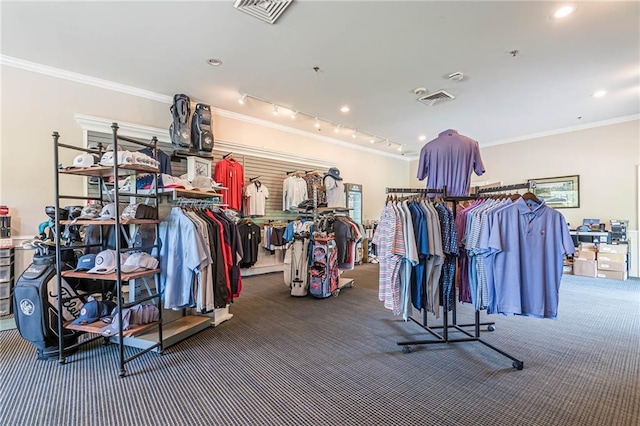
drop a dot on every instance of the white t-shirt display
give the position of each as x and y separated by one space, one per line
256 194
335 192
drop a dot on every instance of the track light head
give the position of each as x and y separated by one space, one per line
242 99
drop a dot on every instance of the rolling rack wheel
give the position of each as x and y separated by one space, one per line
406 350
518 365
491 327
335 293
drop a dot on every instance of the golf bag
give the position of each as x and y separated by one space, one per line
179 129
201 131
35 307
324 269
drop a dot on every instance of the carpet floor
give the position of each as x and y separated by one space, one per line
303 361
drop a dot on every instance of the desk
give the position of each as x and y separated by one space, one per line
596 237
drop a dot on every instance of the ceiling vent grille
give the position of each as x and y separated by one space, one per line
435 97
265 10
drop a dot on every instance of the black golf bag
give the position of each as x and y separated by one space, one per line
35 307
179 129
201 131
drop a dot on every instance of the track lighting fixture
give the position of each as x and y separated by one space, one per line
337 127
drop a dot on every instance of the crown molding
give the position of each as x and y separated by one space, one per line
133 130
134 91
579 127
84 79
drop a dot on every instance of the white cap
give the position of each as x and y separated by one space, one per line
137 261
169 182
106 262
84 160
109 212
206 184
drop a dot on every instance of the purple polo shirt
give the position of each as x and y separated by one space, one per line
530 245
449 160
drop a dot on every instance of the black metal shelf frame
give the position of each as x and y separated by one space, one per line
119 247
453 326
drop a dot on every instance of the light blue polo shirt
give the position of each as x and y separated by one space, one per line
448 161
529 246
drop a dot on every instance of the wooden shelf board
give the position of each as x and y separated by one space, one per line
110 277
172 332
110 222
95 327
103 171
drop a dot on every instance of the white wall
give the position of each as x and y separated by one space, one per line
40 104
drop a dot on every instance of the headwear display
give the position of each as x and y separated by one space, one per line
93 310
84 160
135 315
169 181
109 211
206 184
334 173
90 211
124 157
139 261
86 262
106 262
139 211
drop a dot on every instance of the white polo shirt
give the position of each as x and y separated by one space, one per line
256 194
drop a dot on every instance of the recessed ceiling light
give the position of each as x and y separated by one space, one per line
214 62
372 140
345 109
422 137
599 93
563 12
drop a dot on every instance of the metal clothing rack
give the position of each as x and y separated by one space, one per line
443 336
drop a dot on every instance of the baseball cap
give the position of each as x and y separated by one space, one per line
334 173
138 261
169 181
113 328
90 211
86 262
139 211
84 160
124 157
206 184
93 310
105 262
109 211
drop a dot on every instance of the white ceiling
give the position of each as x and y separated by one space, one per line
371 56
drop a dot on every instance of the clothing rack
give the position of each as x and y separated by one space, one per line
192 202
443 336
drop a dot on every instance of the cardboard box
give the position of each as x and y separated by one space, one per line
587 247
612 257
612 266
613 248
613 275
584 267
586 254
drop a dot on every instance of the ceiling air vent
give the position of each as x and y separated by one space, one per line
265 10
434 97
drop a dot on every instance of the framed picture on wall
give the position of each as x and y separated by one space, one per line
198 166
559 192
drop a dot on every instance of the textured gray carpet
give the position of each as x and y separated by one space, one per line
288 361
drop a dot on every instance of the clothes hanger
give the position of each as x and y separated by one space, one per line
530 196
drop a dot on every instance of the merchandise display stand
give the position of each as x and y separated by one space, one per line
318 211
191 324
118 278
443 335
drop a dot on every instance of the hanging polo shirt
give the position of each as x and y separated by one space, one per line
530 245
230 174
257 195
448 161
